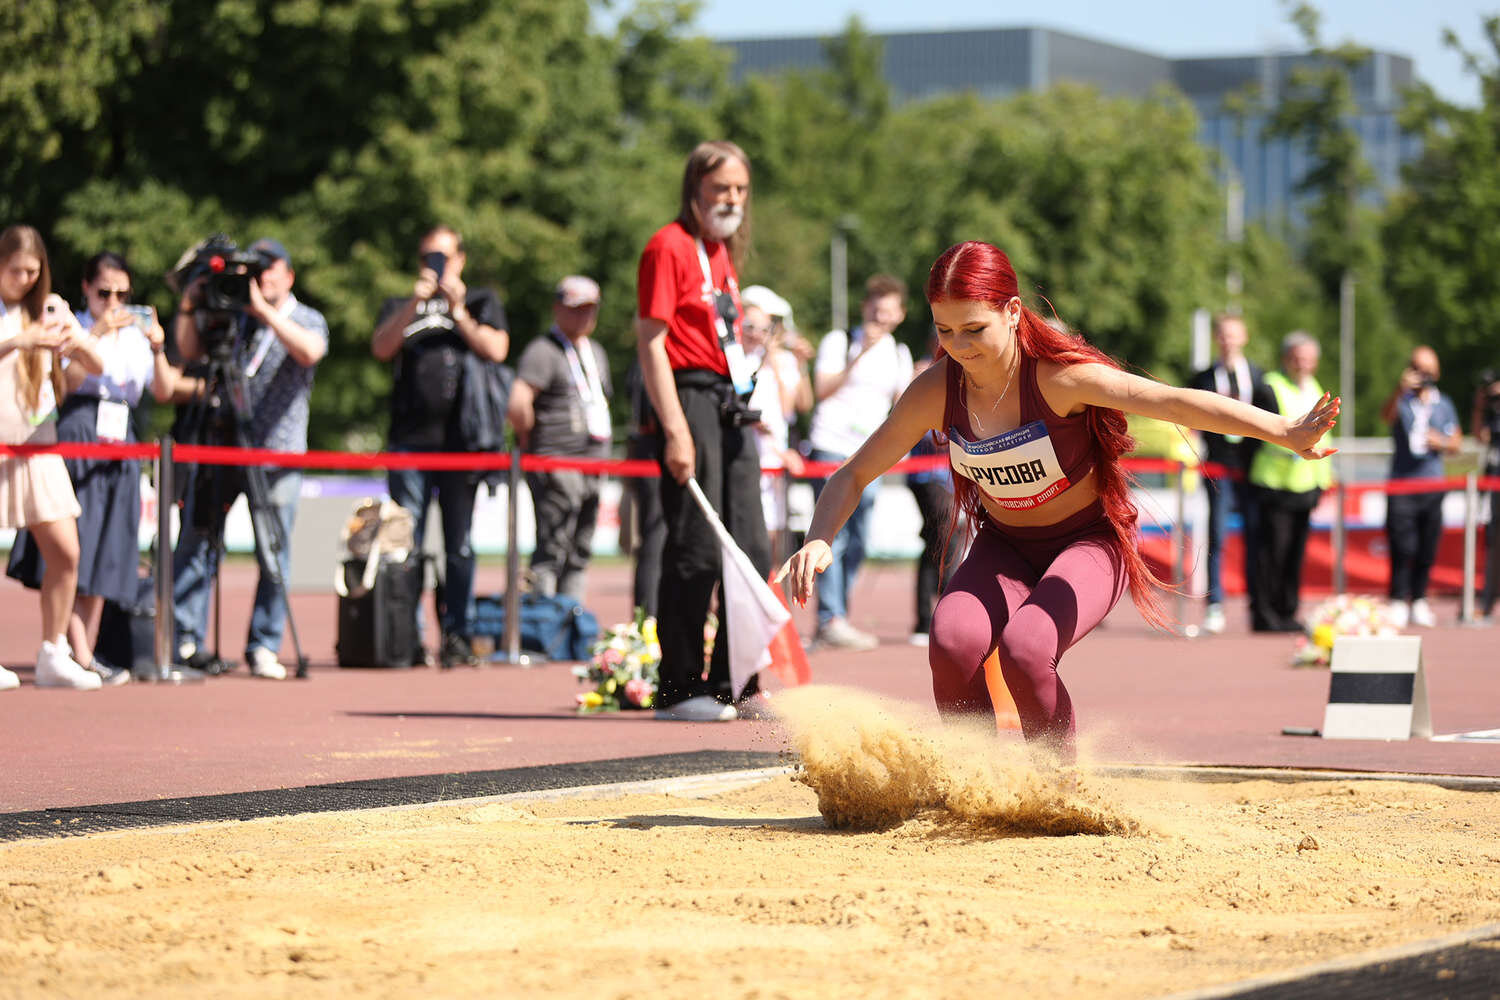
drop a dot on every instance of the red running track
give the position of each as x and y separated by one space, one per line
1140 698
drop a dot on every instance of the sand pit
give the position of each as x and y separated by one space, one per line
748 892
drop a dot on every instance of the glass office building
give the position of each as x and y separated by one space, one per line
1002 61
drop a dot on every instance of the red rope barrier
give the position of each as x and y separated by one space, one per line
624 468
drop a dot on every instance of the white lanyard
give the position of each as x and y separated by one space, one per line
741 371
582 366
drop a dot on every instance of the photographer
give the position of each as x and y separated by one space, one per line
1424 428
434 337
697 375
1486 425
275 341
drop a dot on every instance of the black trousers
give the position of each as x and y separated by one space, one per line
1491 554
1413 528
1282 524
728 472
651 530
935 502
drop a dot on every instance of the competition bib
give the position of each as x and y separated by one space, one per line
1018 469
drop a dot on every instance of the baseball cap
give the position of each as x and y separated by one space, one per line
768 302
273 249
575 290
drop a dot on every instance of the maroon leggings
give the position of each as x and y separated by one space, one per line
1032 593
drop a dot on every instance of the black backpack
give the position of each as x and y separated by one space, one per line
484 397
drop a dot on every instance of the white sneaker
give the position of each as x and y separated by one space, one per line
55 668
1213 619
1398 613
1421 613
8 680
917 639
838 632
703 708
263 663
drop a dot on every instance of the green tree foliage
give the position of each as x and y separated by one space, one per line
1443 231
1107 206
1341 235
347 127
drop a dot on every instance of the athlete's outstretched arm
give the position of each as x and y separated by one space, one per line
1100 385
919 410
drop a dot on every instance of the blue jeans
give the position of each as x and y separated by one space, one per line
837 581
1225 495
412 489
195 559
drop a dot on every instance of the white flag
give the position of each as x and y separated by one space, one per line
752 612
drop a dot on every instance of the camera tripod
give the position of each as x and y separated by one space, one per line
222 416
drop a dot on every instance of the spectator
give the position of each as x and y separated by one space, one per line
129 343
941 539
696 374
559 405
1231 375
777 382
428 335
38 336
857 378
1424 427
1486 424
278 342
1286 489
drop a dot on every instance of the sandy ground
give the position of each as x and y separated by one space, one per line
938 882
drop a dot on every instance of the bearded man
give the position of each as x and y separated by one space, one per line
698 378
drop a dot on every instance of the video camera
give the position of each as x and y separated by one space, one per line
226 272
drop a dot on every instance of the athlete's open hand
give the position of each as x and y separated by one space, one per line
799 571
1304 433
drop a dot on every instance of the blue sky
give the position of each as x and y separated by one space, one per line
1166 27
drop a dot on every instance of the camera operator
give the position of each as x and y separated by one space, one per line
696 373
433 337
1486 425
277 342
1424 428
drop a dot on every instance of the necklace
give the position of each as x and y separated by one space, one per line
1015 363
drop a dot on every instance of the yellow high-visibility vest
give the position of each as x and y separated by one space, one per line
1278 468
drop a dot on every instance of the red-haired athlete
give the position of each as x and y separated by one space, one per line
1035 419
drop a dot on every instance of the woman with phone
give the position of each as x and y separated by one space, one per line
100 408
38 337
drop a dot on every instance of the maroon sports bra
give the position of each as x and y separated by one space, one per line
1069 438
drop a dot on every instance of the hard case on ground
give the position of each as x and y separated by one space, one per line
378 627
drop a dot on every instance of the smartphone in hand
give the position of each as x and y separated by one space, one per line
141 314
437 261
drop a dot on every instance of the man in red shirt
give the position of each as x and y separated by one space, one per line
698 379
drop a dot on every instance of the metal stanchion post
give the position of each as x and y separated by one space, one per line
1340 538
1471 547
166 672
512 653
1179 557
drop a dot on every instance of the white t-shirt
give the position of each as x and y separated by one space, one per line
771 441
843 421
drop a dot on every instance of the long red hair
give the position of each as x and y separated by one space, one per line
979 272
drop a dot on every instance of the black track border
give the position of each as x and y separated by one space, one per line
375 793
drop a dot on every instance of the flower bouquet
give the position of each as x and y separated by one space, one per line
1341 615
623 668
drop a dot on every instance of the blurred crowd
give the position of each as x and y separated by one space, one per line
238 360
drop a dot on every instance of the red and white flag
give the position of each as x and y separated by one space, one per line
752 612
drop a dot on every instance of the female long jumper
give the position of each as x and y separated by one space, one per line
1035 419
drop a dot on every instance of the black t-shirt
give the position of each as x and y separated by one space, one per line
430 369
